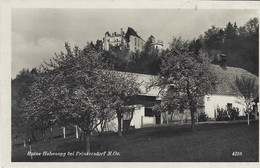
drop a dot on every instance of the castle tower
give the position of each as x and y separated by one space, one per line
106 41
158 45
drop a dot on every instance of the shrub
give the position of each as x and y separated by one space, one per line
242 118
226 115
202 117
251 116
234 113
222 115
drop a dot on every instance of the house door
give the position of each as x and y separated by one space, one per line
126 125
158 119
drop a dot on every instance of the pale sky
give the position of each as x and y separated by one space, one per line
38 33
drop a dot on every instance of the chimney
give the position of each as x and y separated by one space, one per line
223 63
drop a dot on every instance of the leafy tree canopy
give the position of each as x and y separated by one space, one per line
184 77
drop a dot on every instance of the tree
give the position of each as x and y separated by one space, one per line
99 45
77 88
184 77
39 106
122 88
20 89
248 88
231 34
240 44
213 42
145 62
213 38
248 45
195 45
252 26
115 59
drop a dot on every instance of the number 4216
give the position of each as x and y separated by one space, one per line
237 154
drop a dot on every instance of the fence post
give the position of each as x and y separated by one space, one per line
142 120
30 143
77 132
248 118
215 115
64 132
181 118
24 143
167 117
256 110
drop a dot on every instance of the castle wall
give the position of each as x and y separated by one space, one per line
115 40
158 47
135 43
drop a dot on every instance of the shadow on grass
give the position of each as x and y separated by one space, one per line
169 132
211 142
79 146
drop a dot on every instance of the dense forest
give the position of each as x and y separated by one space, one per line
239 44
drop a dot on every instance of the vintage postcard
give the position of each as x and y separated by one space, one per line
142 83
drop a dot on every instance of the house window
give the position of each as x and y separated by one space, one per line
148 112
135 41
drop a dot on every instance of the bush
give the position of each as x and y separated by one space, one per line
222 115
251 116
226 115
242 118
202 117
234 113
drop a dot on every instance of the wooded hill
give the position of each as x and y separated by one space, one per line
239 44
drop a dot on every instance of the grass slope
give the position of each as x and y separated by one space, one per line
210 143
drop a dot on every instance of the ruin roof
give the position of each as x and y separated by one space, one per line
151 36
132 32
107 33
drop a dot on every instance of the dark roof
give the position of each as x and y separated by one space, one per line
131 32
151 39
151 36
227 79
107 33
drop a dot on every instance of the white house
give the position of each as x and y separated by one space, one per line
225 96
144 102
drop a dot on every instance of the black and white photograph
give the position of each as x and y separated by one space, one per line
129 84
